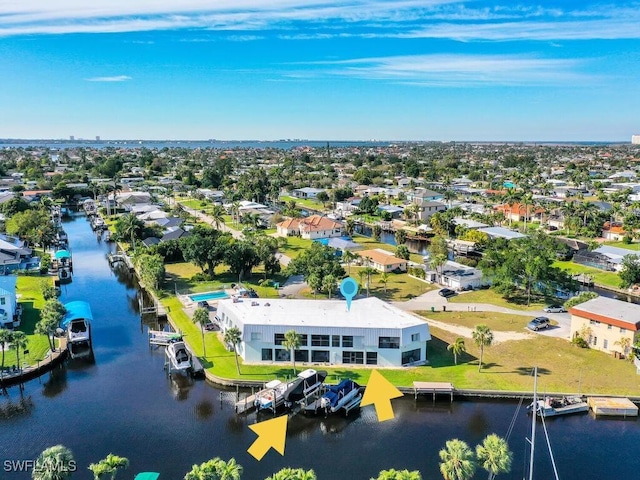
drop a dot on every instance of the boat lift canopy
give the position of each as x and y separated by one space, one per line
62 254
75 310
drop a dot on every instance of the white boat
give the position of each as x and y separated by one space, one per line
271 396
64 274
77 325
307 384
178 356
346 395
552 406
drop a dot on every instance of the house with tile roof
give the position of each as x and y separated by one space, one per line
382 260
311 228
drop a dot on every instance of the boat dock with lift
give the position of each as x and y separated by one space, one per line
161 338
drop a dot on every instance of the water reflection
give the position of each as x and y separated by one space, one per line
180 385
15 408
204 409
56 382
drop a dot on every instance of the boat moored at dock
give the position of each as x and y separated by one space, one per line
271 396
345 396
306 385
178 356
77 326
553 406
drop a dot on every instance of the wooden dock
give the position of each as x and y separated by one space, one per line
613 407
584 279
432 388
247 404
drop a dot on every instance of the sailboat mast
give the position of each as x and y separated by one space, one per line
533 420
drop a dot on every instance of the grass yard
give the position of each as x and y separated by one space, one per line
496 321
369 243
29 287
494 298
304 202
400 286
601 277
635 246
295 246
506 366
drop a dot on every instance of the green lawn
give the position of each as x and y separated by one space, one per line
494 298
32 302
497 321
611 279
295 246
635 246
400 286
506 366
369 243
303 202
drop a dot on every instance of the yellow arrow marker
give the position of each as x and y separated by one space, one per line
271 434
379 392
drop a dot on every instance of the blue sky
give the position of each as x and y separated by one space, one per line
320 69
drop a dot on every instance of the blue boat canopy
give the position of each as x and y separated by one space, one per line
62 254
75 310
147 476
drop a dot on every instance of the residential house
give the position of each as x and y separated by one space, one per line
371 332
307 192
312 227
613 255
382 260
613 231
457 276
422 195
609 325
14 255
393 210
9 314
428 208
500 232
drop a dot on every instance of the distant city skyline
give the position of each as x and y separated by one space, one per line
414 70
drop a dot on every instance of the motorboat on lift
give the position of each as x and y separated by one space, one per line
271 396
77 326
307 384
346 395
178 355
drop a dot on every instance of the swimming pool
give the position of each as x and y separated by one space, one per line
217 295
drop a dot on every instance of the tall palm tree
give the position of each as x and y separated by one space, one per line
20 342
350 227
201 317
494 456
6 337
289 473
292 342
393 474
329 284
457 348
228 470
483 337
384 278
235 211
217 215
511 198
400 236
232 337
108 467
526 200
457 461
348 257
54 463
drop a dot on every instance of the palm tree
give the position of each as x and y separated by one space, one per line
201 316
235 211
457 461
494 455
384 278
624 343
350 227
289 473
232 337
228 470
217 215
483 337
329 284
6 337
511 197
108 466
457 348
54 463
292 341
400 236
129 227
526 200
20 342
415 210
349 256
393 474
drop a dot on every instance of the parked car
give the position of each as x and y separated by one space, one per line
203 304
538 323
446 293
555 309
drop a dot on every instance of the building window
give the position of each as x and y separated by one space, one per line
372 358
609 327
278 338
319 340
594 322
415 337
411 356
320 356
301 355
267 355
335 340
347 341
256 336
389 342
623 330
353 357
3 300
304 340
282 355
605 344
595 341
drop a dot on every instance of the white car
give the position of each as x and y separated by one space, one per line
555 309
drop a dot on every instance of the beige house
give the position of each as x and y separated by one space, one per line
311 228
605 323
382 260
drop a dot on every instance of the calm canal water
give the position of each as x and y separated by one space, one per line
126 405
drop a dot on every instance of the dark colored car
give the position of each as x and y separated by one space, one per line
538 323
203 304
446 293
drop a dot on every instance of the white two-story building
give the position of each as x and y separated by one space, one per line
372 333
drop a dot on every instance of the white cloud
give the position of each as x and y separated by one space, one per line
116 78
459 70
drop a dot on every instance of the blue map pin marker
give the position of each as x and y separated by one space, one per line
348 289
